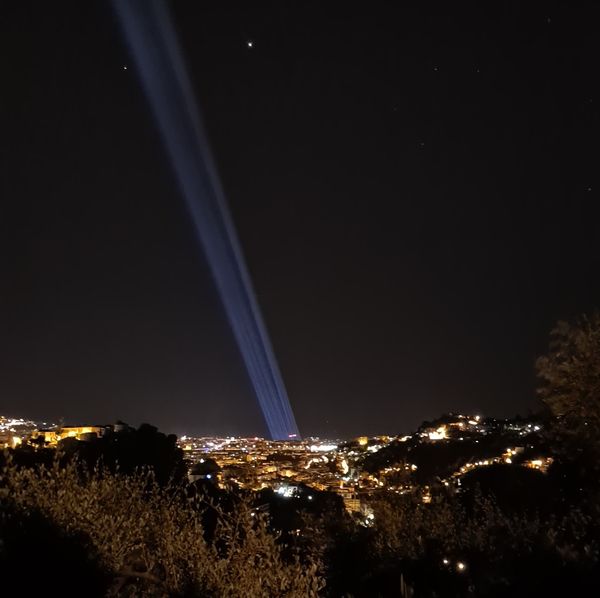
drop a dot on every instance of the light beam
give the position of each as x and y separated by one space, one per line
152 40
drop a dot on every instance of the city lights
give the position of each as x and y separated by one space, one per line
439 434
291 465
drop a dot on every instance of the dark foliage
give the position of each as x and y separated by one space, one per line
38 556
133 449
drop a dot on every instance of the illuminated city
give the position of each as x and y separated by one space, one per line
350 468
299 299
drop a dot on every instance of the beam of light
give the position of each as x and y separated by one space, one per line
152 40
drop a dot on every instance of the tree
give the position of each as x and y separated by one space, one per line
138 538
570 374
130 449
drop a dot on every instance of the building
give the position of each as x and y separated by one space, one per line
52 437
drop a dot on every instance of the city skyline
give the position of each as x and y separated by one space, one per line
357 470
15 422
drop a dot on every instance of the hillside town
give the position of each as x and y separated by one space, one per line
431 461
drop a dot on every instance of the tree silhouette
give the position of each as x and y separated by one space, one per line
131 449
570 374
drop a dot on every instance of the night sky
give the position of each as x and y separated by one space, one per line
415 189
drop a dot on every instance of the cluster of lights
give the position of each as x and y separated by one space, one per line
507 457
287 491
369 520
347 461
9 424
541 464
439 434
524 429
322 448
460 566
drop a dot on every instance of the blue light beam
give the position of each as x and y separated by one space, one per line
153 43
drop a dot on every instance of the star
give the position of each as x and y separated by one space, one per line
124 67
250 43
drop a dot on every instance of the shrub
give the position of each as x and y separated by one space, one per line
149 540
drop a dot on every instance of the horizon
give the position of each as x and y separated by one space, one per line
414 193
399 433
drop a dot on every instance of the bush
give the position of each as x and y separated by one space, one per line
148 540
501 550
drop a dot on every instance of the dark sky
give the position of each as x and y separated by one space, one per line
415 189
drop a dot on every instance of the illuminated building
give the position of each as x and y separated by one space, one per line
52 437
438 434
9 440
